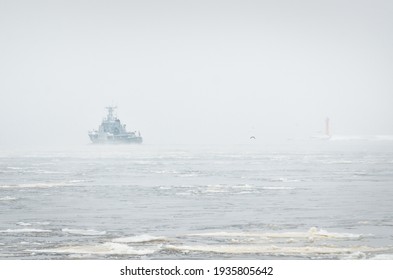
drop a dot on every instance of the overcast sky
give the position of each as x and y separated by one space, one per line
194 71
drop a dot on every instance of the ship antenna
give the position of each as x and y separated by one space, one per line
110 112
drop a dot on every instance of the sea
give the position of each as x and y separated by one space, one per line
316 199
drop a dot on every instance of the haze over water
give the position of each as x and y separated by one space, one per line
194 72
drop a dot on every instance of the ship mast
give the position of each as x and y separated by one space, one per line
110 112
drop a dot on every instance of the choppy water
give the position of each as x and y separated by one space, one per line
121 202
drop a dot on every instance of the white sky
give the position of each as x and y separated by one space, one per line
194 71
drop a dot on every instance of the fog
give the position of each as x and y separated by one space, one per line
194 72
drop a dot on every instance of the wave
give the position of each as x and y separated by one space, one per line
83 231
14 168
23 224
383 257
165 188
226 189
31 170
78 181
341 161
282 244
278 188
41 185
107 248
277 250
139 239
313 243
244 186
284 180
42 223
188 175
44 172
8 198
311 234
25 230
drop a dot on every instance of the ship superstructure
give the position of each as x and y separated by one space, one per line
113 131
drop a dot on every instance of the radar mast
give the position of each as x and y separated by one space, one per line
110 109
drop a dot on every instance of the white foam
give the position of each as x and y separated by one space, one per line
40 171
355 256
364 222
284 180
325 234
165 188
278 188
138 239
42 223
312 233
78 181
245 186
218 186
25 230
383 257
83 231
37 185
214 190
188 175
183 193
108 248
7 198
338 161
23 224
14 168
275 250
226 188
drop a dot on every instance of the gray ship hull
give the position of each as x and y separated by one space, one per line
118 139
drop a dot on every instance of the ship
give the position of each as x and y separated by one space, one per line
112 131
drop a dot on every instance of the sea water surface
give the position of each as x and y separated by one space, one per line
328 200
